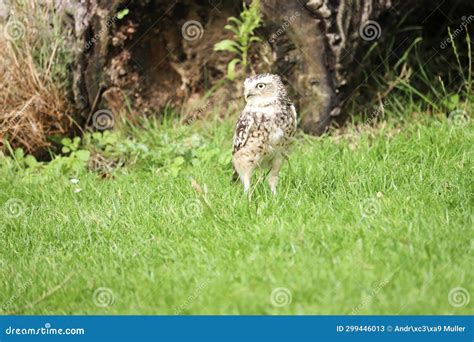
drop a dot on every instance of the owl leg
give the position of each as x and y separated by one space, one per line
245 175
273 176
246 178
244 167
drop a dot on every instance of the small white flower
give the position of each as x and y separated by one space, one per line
74 180
77 190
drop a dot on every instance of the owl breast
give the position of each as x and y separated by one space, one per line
276 136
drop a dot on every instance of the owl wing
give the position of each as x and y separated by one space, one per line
242 130
295 117
293 112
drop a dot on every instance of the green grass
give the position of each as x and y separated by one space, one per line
369 223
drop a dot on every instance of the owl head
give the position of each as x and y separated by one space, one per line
263 87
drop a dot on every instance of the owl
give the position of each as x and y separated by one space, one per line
264 130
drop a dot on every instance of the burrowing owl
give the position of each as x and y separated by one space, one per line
264 130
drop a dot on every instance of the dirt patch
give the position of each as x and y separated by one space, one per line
162 56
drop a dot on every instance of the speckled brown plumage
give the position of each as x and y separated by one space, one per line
264 130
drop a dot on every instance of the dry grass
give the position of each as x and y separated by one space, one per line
33 83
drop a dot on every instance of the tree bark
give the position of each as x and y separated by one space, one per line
144 61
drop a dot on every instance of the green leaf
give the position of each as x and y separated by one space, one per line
235 20
225 159
121 14
31 161
96 135
232 29
174 171
83 155
178 161
66 142
231 68
454 99
227 45
19 154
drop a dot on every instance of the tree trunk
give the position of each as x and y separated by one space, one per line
146 63
143 58
321 46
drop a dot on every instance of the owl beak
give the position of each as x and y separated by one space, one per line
246 95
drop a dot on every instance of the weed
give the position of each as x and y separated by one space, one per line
243 30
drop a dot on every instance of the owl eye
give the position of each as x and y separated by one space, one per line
261 86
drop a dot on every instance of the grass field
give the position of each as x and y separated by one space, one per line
377 222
